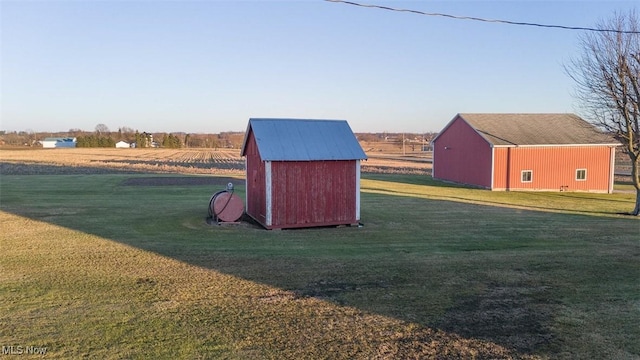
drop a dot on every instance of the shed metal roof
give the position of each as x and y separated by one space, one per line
536 129
303 140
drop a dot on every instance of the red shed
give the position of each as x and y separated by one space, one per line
545 152
302 173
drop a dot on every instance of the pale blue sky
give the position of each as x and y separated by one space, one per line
208 66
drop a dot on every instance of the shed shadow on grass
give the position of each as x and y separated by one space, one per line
408 262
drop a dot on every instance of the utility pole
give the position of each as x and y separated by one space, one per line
403 152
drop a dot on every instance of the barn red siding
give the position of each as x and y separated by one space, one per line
256 193
502 173
554 168
313 193
462 156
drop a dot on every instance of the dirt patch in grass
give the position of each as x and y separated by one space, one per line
330 289
517 317
182 181
7 168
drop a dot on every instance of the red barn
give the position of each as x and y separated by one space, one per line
545 152
302 173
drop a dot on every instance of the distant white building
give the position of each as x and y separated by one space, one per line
122 145
51 143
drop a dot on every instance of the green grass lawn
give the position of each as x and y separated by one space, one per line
94 268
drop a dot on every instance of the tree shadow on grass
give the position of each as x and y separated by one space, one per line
441 264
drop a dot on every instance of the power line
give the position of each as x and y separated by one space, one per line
485 20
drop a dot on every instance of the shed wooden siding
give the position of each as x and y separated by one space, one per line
558 169
317 193
468 164
302 173
255 184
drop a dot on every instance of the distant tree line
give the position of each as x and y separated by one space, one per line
103 137
95 141
171 141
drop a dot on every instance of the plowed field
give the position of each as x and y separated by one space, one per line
187 161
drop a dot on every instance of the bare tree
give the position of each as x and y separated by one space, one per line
102 129
607 84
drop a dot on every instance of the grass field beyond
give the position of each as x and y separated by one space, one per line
93 267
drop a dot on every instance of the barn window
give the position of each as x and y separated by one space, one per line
526 176
581 174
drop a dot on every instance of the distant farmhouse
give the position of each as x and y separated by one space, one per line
122 145
525 152
51 143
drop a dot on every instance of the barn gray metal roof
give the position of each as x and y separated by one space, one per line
304 140
536 129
